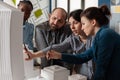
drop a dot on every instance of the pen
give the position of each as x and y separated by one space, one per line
50 47
50 50
26 50
25 47
51 60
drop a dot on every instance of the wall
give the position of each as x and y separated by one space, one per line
115 20
40 11
12 2
75 5
114 6
89 3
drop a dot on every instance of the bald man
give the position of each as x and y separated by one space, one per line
53 31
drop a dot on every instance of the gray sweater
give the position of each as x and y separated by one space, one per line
74 43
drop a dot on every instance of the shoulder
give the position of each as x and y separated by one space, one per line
43 25
106 35
66 29
29 26
72 36
66 26
107 32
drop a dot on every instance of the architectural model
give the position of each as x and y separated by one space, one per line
55 72
77 77
11 56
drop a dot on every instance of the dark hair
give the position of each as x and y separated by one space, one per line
62 10
99 14
26 2
76 14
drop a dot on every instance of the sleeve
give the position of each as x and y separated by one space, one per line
105 49
30 40
61 47
78 58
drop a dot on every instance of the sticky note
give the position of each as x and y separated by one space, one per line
38 13
14 2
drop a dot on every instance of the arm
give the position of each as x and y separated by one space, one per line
70 58
78 58
30 40
105 45
33 55
59 47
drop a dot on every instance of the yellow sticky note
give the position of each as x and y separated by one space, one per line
117 9
38 13
14 2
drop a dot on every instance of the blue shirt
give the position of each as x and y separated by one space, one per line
28 30
105 51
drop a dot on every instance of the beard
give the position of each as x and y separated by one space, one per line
54 27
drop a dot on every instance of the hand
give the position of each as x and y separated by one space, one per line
53 55
29 54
